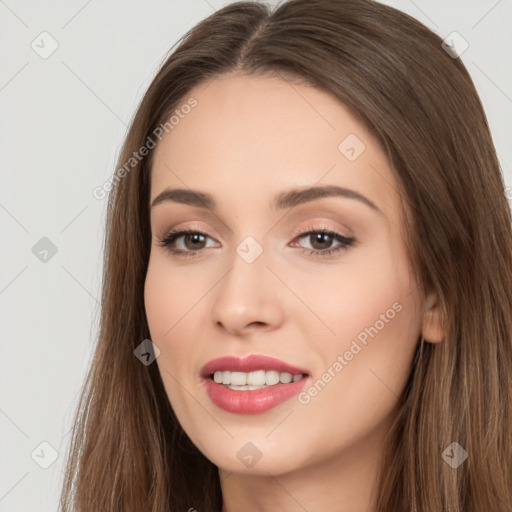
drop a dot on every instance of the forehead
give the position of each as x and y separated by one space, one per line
254 136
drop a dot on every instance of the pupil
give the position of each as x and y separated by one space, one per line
195 237
318 239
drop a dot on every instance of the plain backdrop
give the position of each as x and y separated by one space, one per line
63 119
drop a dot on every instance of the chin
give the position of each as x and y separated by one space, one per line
254 453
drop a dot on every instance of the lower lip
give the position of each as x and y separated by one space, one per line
253 401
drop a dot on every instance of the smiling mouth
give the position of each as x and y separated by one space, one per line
252 383
258 379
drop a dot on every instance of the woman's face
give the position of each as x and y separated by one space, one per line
340 312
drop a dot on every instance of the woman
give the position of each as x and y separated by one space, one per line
307 278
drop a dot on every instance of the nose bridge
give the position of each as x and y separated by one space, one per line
245 294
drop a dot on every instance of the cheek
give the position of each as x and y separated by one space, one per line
166 297
173 302
363 377
365 367
156 302
365 289
166 304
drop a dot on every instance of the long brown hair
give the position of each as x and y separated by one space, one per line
128 451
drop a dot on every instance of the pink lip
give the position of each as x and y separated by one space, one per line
257 400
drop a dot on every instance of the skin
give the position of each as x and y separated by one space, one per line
247 140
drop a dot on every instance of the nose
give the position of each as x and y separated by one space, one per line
248 298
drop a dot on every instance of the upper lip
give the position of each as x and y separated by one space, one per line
248 363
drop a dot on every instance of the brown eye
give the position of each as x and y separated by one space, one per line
321 241
189 242
194 241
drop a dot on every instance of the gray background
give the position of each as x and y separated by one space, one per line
63 120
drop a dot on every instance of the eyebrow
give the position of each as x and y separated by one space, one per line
283 200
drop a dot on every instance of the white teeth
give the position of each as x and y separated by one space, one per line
271 378
285 377
238 379
255 379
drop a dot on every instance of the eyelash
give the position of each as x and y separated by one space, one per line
346 242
